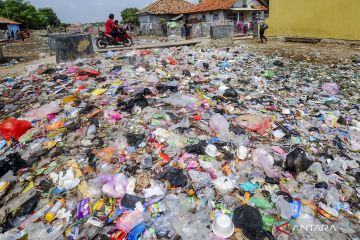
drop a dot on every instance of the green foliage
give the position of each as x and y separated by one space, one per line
23 12
51 16
162 21
129 15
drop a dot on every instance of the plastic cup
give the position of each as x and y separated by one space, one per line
223 226
211 150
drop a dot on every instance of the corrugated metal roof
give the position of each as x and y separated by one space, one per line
167 7
8 21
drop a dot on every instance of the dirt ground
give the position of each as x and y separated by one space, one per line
35 51
322 53
31 49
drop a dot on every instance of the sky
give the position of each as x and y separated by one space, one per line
84 11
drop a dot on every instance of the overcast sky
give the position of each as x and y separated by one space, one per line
83 11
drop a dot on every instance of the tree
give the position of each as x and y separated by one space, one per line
51 17
25 13
129 15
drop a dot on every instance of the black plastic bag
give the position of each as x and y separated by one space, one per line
198 148
230 93
176 177
134 139
129 201
249 219
12 162
161 88
297 161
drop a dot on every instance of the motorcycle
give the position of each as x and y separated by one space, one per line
105 39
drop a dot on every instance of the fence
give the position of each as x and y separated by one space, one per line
201 29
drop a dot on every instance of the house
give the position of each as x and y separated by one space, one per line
315 19
232 10
163 9
7 24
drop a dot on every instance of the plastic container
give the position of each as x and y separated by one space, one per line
51 214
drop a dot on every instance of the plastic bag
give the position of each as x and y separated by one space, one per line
331 88
39 113
180 100
112 116
219 124
13 128
261 158
255 123
129 220
113 185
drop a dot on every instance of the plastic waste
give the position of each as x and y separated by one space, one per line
256 123
331 88
39 113
249 220
14 128
51 214
129 220
297 160
113 185
219 124
223 185
261 158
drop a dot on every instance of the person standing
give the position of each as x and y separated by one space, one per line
7 35
245 28
12 35
263 27
187 30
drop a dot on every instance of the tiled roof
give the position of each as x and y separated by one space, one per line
259 7
167 7
7 21
211 5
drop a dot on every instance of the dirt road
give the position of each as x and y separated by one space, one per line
35 51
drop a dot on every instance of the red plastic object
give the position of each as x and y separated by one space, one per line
89 72
145 52
82 78
13 128
172 61
197 117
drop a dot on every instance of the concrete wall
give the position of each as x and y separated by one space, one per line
337 19
209 16
154 18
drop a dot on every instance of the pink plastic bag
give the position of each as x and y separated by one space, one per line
262 159
39 113
113 185
72 69
129 220
112 116
331 88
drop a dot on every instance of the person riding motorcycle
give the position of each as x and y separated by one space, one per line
119 30
111 28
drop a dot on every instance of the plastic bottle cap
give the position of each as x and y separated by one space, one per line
50 216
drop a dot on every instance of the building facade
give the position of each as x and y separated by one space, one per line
9 25
335 19
228 10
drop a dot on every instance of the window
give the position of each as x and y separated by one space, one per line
204 17
216 16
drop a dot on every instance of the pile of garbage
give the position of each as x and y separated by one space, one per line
180 143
